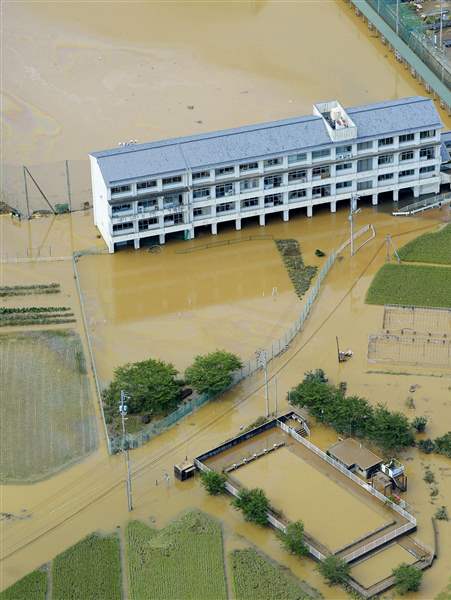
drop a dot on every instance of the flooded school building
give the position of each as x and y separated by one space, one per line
175 186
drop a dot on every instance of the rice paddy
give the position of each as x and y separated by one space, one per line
90 570
411 285
31 587
184 560
429 248
51 423
256 578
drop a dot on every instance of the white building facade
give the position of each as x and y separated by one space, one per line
152 190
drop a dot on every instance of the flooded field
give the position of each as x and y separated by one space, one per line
49 421
92 78
91 495
330 514
156 69
380 565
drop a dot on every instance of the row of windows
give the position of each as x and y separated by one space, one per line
343 150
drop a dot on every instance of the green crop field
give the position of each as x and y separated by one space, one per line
184 560
31 587
256 578
411 285
429 248
47 418
90 570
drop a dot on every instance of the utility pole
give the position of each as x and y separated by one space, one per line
397 17
123 413
262 360
275 394
353 211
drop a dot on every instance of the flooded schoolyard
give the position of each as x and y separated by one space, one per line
93 78
91 495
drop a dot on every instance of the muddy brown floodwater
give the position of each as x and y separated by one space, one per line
91 495
82 76
99 73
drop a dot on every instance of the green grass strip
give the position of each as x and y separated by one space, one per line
429 248
411 285
183 561
256 578
31 587
90 570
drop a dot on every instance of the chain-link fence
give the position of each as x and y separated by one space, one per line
251 366
54 187
414 32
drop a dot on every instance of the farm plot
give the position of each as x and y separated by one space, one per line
31 587
429 248
90 570
256 578
184 560
47 420
411 285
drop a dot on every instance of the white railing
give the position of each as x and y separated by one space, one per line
378 542
272 520
348 473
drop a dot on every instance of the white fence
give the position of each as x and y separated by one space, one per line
348 473
232 490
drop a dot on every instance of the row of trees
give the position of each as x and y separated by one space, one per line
352 415
154 387
255 506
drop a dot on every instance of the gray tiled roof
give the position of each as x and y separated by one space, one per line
257 141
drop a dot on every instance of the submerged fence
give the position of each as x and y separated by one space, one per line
251 366
32 188
134 440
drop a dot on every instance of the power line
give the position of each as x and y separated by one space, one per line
140 469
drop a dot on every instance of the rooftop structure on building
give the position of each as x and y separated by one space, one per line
355 457
172 187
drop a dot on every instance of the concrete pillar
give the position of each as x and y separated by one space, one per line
261 220
374 199
238 224
136 243
309 211
110 247
191 234
395 195
162 238
416 191
286 215
214 228
333 207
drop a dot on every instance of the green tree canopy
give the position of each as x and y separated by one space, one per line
293 539
213 482
334 569
212 373
407 578
390 430
151 386
253 504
